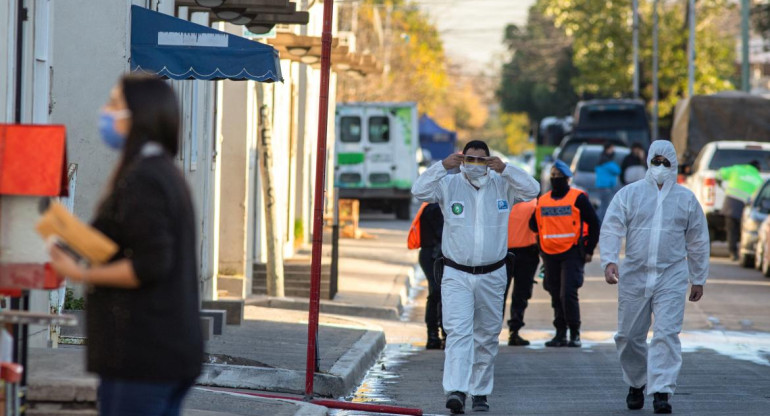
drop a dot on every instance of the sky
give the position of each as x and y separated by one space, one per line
472 30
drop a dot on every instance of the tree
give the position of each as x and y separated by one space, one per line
537 79
400 36
602 54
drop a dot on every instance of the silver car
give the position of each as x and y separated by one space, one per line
584 164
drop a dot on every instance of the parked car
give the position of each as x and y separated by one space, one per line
566 153
753 215
762 250
584 163
624 120
702 179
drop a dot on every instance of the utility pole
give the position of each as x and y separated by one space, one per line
745 46
636 46
655 70
691 50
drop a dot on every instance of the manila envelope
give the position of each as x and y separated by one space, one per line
82 238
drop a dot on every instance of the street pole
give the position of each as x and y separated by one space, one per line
636 46
745 46
318 200
655 70
691 50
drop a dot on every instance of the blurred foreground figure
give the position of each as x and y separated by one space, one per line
143 327
667 246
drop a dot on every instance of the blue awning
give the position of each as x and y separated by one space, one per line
170 47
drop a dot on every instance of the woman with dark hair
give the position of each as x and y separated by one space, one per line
144 335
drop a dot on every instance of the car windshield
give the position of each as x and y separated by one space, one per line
589 157
568 152
729 157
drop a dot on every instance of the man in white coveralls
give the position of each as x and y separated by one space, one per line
667 245
476 205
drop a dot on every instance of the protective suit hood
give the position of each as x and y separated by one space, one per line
666 149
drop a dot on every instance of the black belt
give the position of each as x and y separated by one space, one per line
475 269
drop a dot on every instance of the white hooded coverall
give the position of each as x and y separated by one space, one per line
475 234
667 244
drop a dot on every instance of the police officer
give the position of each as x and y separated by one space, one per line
431 225
476 205
742 181
522 243
561 217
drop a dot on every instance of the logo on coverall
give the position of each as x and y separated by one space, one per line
458 209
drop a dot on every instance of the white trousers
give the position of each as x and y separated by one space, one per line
472 308
657 366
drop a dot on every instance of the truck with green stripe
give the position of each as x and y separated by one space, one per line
377 150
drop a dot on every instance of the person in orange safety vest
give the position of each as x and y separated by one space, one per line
425 234
560 219
522 243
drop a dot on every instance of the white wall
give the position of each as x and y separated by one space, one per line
91 51
7 59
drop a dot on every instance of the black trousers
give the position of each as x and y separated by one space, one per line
733 228
523 277
433 306
563 278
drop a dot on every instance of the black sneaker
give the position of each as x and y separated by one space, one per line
575 342
660 403
515 340
455 402
434 343
635 398
559 340
480 404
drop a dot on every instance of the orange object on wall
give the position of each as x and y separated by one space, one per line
33 160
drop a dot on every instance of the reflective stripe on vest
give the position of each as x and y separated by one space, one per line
558 222
519 234
413 238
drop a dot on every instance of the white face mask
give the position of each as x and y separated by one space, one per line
659 173
476 174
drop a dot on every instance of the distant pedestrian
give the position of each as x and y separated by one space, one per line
426 228
142 314
667 247
742 181
522 243
561 219
476 204
634 165
607 172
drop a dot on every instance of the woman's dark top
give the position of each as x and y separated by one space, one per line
151 333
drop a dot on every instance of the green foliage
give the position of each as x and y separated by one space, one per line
602 47
408 44
572 49
537 79
299 230
71 303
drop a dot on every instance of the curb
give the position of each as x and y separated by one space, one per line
355 363
302 408
343 377
329 307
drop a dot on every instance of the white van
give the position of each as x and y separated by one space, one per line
377 154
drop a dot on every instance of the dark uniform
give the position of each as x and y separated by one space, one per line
431 227
564 267
522 243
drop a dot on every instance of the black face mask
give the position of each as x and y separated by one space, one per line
559 185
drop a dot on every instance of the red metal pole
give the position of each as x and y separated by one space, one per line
318 208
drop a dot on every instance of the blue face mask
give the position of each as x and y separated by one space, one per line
111 137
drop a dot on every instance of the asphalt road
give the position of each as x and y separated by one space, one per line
726 344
